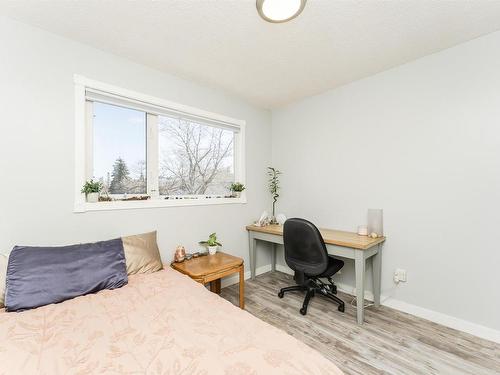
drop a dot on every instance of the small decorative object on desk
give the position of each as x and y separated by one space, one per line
274 187
236 189
212 244
281 218
363 230
180 254
263 220
91 189
375 222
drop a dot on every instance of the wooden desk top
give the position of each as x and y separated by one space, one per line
208 264
330 236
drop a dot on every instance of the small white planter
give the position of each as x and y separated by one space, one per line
93 197
237 194
212 250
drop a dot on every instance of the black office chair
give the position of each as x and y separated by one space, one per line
305 253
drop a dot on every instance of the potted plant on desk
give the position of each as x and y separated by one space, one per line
274 187
211 243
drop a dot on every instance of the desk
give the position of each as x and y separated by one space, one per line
338 243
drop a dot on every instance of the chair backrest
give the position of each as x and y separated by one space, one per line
305 250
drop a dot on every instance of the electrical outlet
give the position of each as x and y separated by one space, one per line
400 276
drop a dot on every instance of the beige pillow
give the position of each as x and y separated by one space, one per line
3 276
141 253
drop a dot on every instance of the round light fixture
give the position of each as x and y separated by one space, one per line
280 10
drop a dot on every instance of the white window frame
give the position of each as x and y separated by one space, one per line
84 149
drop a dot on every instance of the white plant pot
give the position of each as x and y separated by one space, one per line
237 194
93 197
212 250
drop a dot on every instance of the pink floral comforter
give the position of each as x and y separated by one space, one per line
160 323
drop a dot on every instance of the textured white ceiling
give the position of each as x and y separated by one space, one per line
224 43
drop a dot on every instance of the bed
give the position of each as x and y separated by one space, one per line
159 323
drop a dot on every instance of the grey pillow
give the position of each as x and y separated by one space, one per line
38 276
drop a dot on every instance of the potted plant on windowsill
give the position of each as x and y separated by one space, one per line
236 189
91 189
211 243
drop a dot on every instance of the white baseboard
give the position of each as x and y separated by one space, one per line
444 319
434 316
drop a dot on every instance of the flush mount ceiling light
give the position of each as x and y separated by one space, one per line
280 10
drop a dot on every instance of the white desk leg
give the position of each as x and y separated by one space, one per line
377 273
252 246
360 285
273 257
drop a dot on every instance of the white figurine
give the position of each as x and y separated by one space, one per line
264 220
281 218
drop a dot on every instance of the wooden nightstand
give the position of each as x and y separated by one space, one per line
211 268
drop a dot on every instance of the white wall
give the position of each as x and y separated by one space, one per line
421 141
37 149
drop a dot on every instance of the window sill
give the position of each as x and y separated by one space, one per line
154 203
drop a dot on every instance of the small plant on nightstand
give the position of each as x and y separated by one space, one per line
91 189
211 243
236 189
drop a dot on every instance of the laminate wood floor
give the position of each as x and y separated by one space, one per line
389 342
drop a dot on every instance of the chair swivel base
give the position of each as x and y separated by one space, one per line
312 287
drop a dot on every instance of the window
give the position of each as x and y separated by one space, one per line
119 149
195 159
154 152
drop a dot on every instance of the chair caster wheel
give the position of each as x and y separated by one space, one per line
303 311
341 308
281 294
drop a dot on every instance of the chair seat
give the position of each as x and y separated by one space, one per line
334 266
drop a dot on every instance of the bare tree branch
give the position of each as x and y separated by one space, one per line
195 158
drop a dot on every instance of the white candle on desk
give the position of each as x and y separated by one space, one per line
363 230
